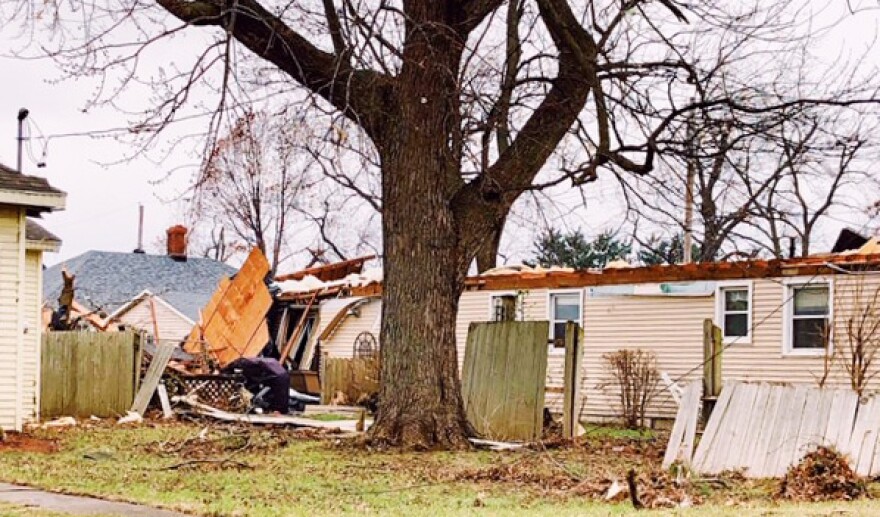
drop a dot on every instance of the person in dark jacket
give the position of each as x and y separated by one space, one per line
265 372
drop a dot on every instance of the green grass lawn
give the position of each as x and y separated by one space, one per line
283 472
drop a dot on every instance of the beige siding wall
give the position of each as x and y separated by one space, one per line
32 346
172 326
341 342
671 327
11 276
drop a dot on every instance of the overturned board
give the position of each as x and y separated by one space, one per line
234 320
763 429
286 420
681 440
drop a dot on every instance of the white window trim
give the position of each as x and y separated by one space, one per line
519 309
550 294
719 310
788 311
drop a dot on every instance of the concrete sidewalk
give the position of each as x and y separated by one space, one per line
75 505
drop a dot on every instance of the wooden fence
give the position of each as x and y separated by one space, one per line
347 381
88 373
503 378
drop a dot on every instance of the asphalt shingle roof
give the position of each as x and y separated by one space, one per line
106 280
13 180
35 232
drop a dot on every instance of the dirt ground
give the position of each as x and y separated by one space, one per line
20 442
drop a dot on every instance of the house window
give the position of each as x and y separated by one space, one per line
504 307
507 306
808 318
735 312
564 307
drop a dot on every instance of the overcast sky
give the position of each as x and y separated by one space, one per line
102 199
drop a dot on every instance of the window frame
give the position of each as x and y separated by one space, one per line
551 293
789 284
720 288
520 303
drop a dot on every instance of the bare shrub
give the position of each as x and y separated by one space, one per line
636 376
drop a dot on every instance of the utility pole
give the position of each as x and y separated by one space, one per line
22 114
687 257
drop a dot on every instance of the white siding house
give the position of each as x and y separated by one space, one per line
22 243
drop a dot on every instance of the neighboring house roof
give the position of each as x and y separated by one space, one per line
107 280
31 191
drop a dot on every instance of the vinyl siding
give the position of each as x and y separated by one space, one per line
672 328
341 342
32 336
11 250
172 326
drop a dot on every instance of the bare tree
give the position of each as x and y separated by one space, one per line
413 86
251 183
855 337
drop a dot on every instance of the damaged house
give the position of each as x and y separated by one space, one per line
782 321
157 294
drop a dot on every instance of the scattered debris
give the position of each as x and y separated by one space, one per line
133 417
496 446
99 455
614 491
64 421
283 420
822 475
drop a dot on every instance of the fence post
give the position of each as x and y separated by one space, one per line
712 354
572 382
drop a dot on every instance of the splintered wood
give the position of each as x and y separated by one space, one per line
233 324
503 377
681 440
764 429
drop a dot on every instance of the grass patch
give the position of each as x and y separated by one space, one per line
285 472
606 432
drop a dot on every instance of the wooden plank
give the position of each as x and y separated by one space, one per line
739 425
788 444
504 376
862 461
571 403
842 421
681 440
164 401
708 440
761 445
297 332
752 427
806 438
152 377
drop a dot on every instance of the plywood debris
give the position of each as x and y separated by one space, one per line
233 324
764 429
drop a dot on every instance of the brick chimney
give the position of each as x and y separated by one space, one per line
177 242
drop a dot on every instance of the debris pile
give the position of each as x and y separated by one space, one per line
822 475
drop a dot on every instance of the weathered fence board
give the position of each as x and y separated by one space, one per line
765 429
351 378
88 373
503 378
681 440
152 377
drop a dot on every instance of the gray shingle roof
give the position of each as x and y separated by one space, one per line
35 232
106 280
13 180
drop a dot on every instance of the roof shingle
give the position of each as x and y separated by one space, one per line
106 280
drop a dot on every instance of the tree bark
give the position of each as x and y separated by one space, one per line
420 403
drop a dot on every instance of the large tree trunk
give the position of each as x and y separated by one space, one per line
420 403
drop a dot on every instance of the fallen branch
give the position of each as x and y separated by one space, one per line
633 489
220 462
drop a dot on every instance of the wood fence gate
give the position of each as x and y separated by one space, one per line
88 373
